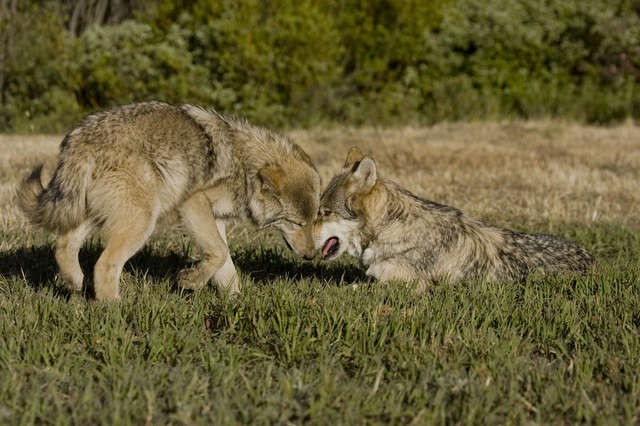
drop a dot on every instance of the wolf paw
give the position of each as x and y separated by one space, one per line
72 282
72 285
227 278
230 286
191 279
106 293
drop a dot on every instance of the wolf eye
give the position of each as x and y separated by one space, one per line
325 212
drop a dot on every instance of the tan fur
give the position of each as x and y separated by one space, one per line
122 169
399 236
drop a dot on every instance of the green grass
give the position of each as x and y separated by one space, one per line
301 346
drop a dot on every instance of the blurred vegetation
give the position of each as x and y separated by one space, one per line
304 62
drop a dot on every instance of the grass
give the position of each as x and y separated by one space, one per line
302 346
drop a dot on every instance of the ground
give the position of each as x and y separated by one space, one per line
301 346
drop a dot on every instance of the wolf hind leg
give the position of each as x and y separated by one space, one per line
67 248
124 236
210 236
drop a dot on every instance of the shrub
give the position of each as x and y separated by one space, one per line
129 62
34 95
304 62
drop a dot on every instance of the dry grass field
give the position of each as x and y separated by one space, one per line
522 172
298 347
527 173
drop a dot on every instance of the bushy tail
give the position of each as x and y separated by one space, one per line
60 206
553 253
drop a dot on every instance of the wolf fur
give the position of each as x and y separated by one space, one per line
120 170
399 236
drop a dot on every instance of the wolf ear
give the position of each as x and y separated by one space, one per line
272 178
353 156
365 175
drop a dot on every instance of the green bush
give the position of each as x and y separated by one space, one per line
571 58
130 62
306 62
272 61
35 95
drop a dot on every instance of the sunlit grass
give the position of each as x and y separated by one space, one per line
303 345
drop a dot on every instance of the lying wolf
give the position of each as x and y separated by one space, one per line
399 236
122 169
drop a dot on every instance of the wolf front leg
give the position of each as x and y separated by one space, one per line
392 270
226 276
197 216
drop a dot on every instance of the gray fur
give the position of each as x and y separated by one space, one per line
398 235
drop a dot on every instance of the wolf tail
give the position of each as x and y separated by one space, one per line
553 253
61 205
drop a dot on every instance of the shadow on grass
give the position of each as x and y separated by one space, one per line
35 265
265 264
38 268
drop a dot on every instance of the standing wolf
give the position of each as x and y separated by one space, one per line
122 169
399 236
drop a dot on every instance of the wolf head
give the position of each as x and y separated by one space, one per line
286 196
343 207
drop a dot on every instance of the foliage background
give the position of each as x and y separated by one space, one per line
305 62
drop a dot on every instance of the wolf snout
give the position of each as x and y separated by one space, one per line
305 253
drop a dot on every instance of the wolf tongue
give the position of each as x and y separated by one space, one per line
328 246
